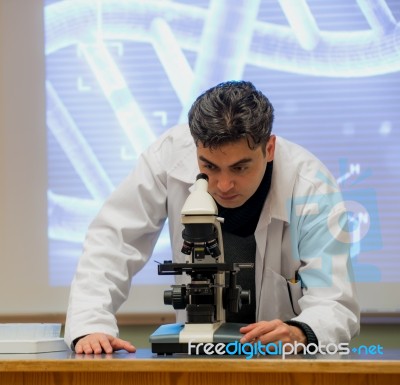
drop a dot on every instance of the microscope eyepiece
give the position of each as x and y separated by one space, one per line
202 176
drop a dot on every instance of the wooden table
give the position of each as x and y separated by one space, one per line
144 368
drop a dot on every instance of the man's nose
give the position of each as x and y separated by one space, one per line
225 183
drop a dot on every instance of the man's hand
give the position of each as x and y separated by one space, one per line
272 331
98 343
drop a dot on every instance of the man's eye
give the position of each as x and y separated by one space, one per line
209 166
240 168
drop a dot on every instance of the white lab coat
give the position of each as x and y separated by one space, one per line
300 230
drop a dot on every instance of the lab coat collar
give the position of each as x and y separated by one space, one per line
184 166
277 205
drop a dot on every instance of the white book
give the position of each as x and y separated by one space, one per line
32 346
31 338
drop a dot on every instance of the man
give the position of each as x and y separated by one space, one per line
282 211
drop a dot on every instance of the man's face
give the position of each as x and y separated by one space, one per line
234 170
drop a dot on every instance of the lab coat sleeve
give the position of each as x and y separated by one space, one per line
119 242
329 304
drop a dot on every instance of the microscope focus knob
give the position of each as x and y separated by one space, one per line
176 297
234 298
245 297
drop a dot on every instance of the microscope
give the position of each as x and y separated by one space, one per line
206 298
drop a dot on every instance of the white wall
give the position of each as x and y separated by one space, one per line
23 179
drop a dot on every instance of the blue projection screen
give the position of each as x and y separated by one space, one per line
119 73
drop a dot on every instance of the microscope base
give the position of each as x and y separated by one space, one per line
174 338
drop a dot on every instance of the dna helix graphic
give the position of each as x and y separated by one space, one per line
225 37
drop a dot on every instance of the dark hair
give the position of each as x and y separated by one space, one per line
229 112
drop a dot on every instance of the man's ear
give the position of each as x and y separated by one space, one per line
270 148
